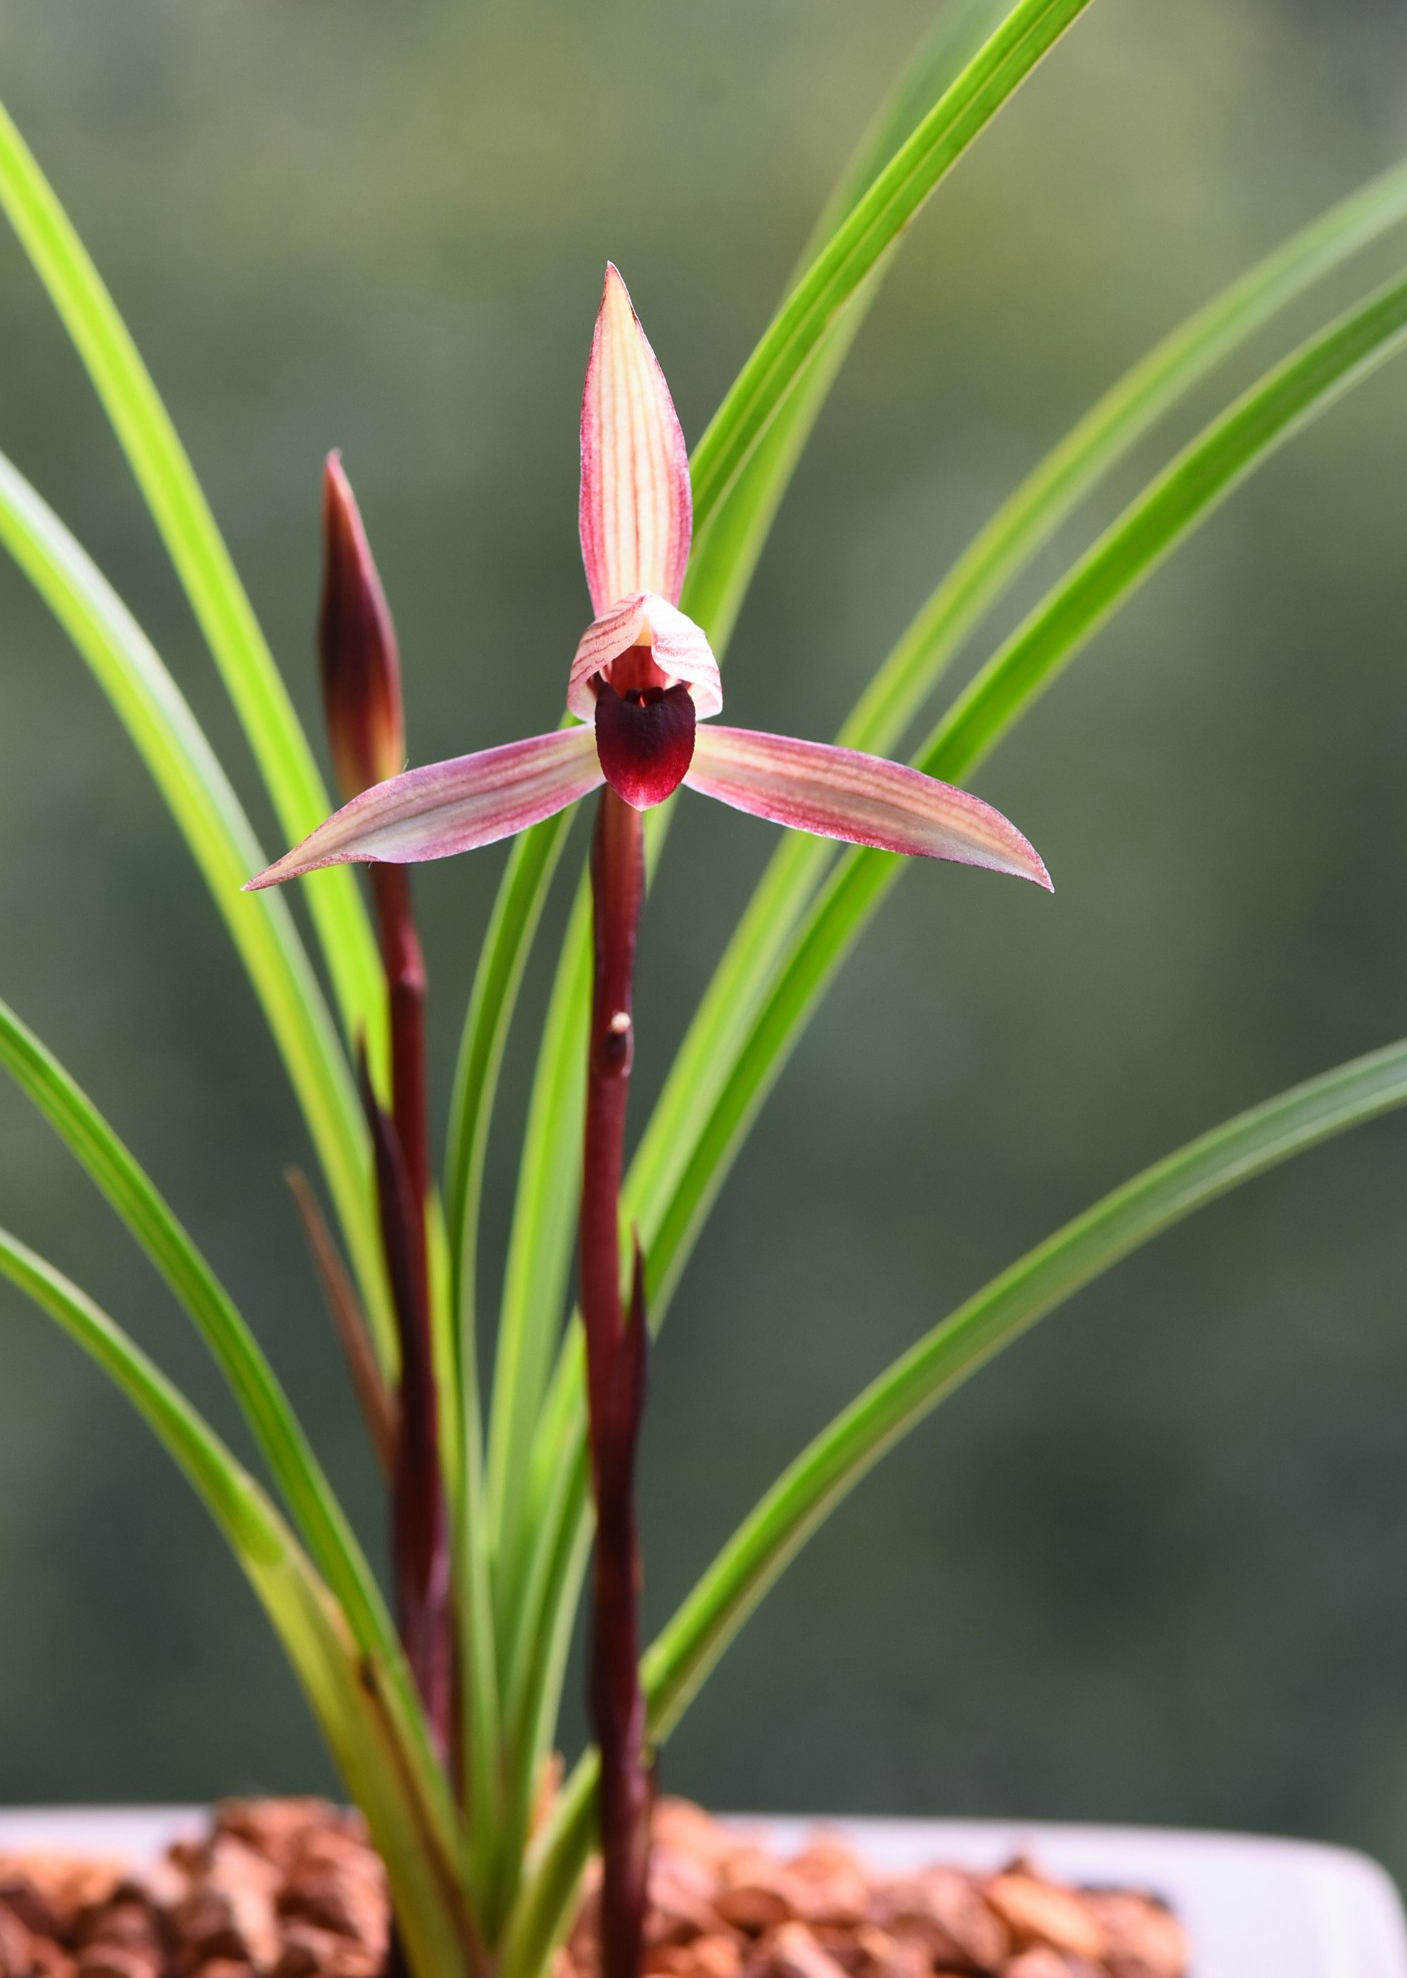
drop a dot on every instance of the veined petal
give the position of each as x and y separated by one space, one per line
680 648
453 806
636 505
840 793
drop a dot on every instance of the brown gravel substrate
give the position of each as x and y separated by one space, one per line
290 1889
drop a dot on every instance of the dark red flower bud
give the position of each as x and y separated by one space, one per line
361 674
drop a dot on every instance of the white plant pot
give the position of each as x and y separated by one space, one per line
1254 1907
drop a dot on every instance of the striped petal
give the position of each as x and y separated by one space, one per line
839 793
636 506
450 806
678 646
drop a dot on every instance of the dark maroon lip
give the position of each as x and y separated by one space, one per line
645 741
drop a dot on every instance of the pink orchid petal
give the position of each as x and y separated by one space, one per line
681 652
636 505
453 806
839 793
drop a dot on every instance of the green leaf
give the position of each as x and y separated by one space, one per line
412 1820
954 38
236 1352
728 544
537 1660
540 1244
999 67
730 537
559 1853
1201 477
728 540
843 1453
689 1647
517 911
188 774
202 563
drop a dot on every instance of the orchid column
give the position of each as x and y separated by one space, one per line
642 683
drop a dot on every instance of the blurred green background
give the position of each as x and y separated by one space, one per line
1153 1564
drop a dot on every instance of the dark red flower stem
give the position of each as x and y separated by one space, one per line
419 1522
404 966
419 1536
615 1363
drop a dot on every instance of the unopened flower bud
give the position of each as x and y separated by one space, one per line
361 675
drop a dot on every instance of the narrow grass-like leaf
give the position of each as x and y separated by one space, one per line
728 544
539 1250
202 563
516 913
989 79
689 1647
411 1819
196 790
552 1879
954 38
236 1352
842 1454
985 570
730 538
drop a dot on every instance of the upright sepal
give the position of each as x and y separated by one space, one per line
636 507
361 675
861 799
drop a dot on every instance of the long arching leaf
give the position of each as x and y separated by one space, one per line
998 68
202 563
730 539
237 1353
195 788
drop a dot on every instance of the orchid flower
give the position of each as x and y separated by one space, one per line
643 690
645 686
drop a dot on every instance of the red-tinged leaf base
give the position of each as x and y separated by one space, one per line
645 740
